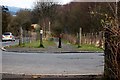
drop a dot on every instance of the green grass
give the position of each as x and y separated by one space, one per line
64 41
35 44
46 43
86 47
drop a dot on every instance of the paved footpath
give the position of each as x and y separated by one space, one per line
64 48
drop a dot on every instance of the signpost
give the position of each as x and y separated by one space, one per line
41 43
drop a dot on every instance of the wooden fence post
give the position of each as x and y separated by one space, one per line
79 37
21 36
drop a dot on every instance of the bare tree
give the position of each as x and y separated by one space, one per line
45 11
21 21
112 45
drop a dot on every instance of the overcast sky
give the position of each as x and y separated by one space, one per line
30 3
27 3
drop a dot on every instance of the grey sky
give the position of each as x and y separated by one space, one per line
96 0
27 3
30 3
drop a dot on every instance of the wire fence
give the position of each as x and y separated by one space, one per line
88 38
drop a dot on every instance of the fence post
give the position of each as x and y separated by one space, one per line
21 36
96 38
79 37
100 39
92 38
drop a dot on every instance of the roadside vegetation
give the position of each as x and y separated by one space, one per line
47 43
85 47
35 44
67 19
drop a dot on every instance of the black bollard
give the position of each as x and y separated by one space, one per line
59 46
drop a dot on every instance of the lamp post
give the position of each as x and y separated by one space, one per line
41 42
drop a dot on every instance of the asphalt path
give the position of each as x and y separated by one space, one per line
53 63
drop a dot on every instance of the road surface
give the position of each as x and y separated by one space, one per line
52 63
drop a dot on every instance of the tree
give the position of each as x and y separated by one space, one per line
112 45
45 12
21 22
6 18
23 18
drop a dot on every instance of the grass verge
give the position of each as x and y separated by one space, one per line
36 44
88 47
85 47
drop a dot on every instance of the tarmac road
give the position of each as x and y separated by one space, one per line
53 63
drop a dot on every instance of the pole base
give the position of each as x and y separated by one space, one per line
79 46
59 47
41 46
